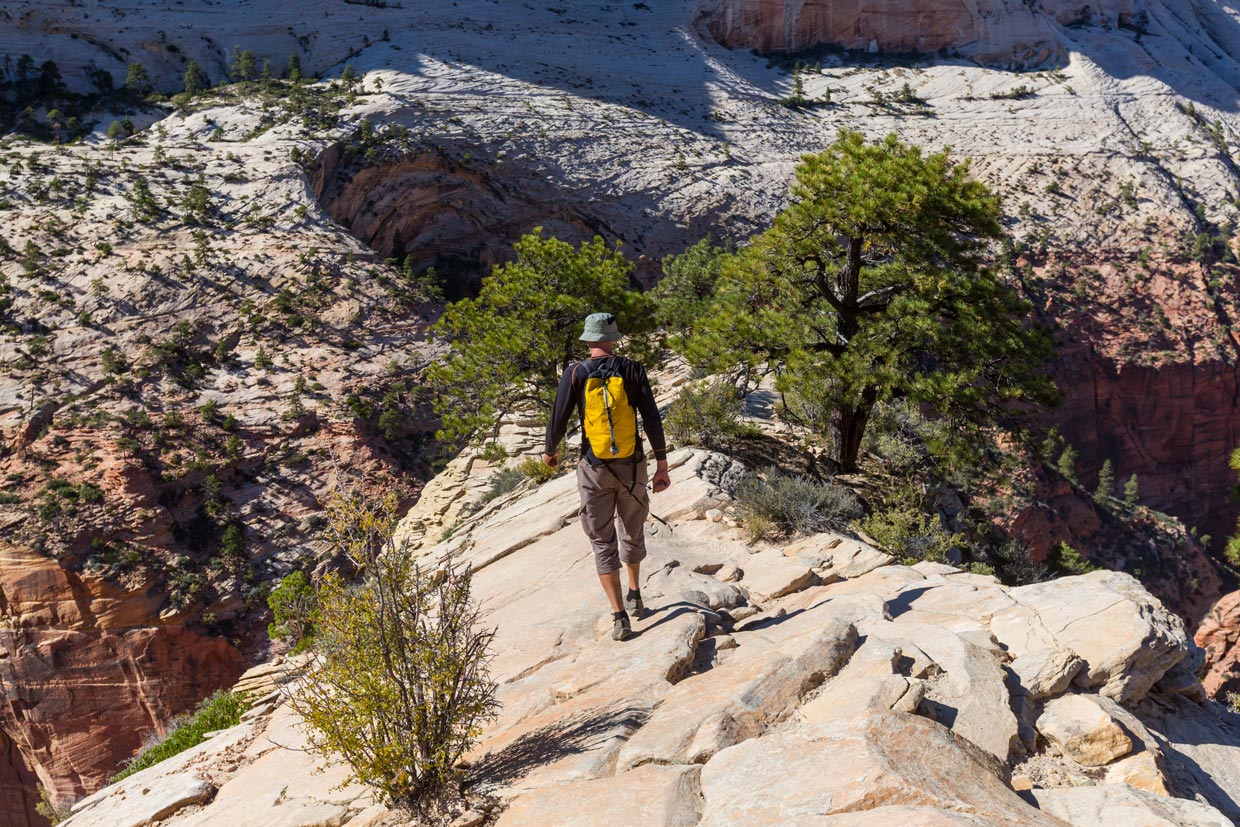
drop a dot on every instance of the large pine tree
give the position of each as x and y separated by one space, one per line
871 285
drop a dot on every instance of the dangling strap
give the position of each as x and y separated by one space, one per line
629 488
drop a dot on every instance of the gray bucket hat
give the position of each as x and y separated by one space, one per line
600 327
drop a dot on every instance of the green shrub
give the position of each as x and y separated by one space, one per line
709 417
503 481
1067 560
493 452
776 503
909 534
220 711
292 606
401 689
48 809
538 471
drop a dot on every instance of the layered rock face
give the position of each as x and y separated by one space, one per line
434 212
1219 636
813 682
1002 32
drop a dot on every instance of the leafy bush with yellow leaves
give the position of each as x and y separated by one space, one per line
400 689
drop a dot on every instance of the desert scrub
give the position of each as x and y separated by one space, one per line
775 503
401 688
909 534
539 471
292 605
219 711
502 482
709 417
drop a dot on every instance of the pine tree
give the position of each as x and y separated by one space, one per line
294 67
56 119
195 79
348 77
1131 491
1067 464
137 80
1106 483
871 286
512 342
115 131
245 66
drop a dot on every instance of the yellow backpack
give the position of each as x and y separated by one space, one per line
609 420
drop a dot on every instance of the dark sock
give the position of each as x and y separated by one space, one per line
635 593
619 614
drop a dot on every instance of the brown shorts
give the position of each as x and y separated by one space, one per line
606 506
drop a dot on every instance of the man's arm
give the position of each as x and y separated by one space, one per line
560 414
652 424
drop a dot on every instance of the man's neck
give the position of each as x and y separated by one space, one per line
599 352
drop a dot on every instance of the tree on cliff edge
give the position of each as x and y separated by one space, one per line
511 343
871 286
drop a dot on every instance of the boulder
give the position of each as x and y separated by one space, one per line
871 760
835 556
1127 638
871 680
1111 805
1045 672
1083 730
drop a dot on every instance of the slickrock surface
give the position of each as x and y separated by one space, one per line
872 699
625 119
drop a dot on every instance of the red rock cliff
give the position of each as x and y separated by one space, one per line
1003 32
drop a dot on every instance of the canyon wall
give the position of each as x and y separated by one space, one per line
995 32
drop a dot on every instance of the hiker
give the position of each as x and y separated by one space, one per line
609 392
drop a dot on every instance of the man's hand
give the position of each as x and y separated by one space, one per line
662 481
551 460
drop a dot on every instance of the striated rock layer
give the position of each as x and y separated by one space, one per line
1003 32
1219 636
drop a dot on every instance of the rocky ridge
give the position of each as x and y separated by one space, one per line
812 682
629 121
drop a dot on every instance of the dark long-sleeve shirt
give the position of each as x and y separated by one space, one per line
636 386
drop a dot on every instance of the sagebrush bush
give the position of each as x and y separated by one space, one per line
219 711
401 688
775 502
709 417
503 481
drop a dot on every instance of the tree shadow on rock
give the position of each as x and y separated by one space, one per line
574 735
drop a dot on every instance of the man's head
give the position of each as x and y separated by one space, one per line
601 331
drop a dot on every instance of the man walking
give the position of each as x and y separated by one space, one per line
609 392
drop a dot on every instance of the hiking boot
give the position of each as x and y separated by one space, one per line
634 606
622 629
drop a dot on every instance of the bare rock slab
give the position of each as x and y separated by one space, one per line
1127 639
762 684
652 794
138 805
1111 805
873 760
